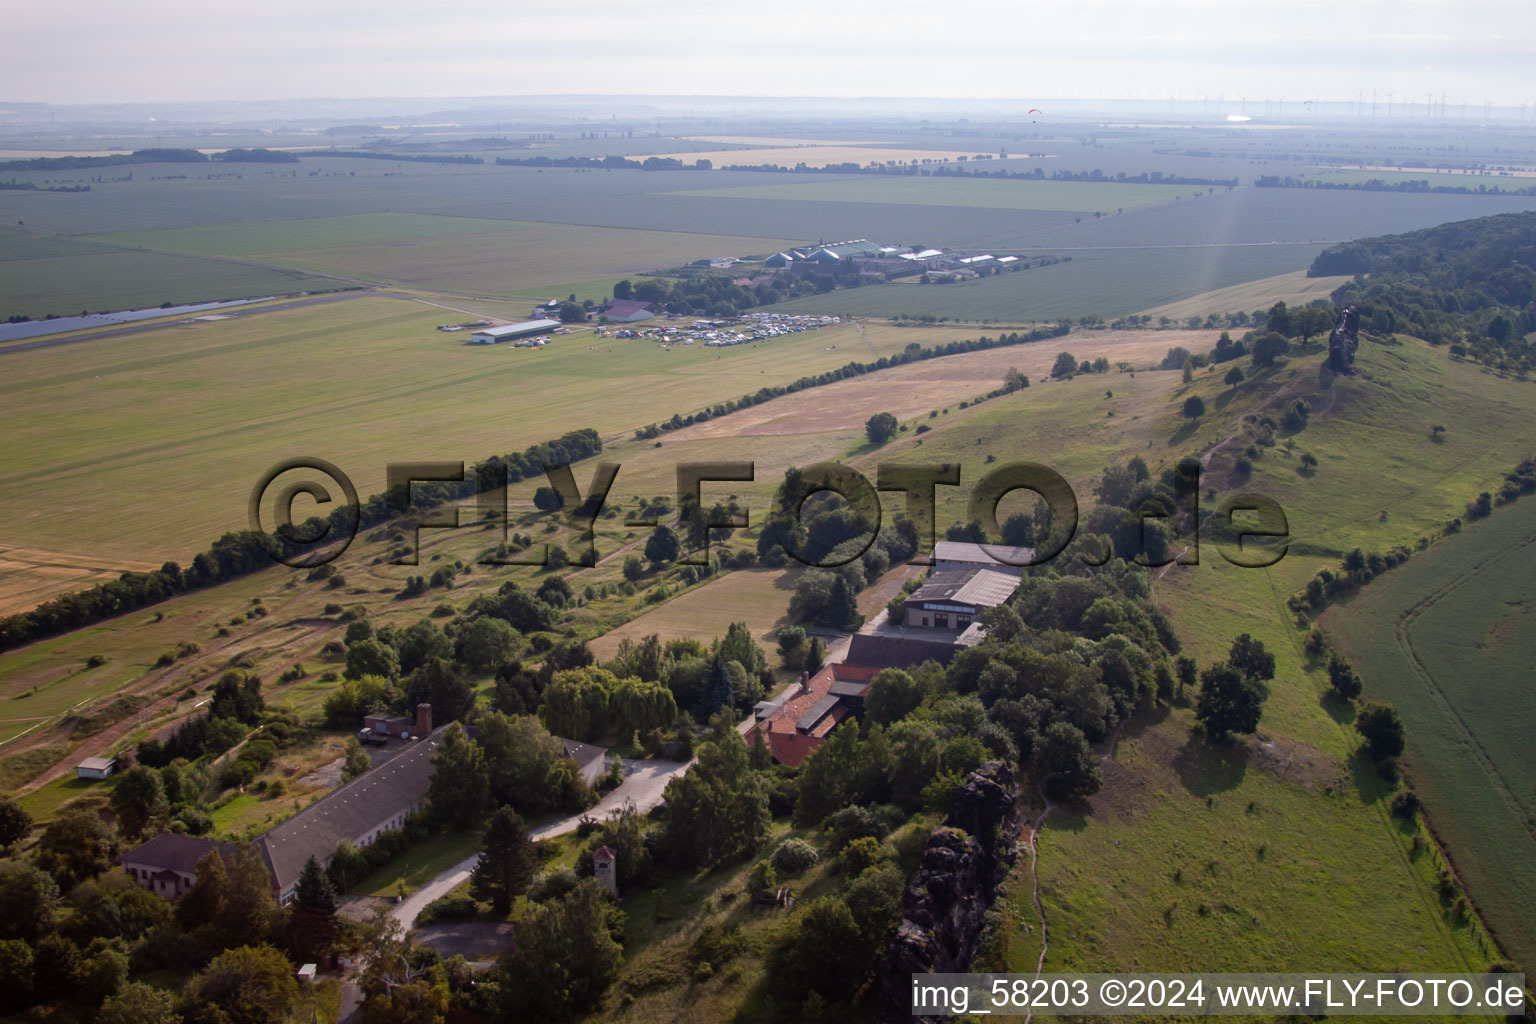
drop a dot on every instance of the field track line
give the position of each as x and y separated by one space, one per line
1400 632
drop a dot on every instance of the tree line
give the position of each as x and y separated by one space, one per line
1379 185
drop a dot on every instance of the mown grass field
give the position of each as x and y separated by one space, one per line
495 257
1448 639
1054 196
1234 860
1098 282
1294 289
102 430
46 274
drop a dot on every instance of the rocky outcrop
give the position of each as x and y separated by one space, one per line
956 883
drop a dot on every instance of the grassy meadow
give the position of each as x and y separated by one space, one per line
103 429
1448 639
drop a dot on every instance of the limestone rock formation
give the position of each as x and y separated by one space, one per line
956 883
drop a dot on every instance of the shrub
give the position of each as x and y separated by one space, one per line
553 885
763 877
862 853
1405 804
793 856
447 908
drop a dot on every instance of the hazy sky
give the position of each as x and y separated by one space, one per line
73 51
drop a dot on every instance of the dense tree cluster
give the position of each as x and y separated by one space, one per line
1469 284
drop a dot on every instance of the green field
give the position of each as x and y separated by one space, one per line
52 274
454 254
1449 639
1236 862
1054 196
1096 282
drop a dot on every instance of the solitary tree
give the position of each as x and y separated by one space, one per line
1065 365
663 545
1194 407
138 799
505 870
314 891
1230 701
880 428
1250 657
1268 347
15 822
1382 729
1343 678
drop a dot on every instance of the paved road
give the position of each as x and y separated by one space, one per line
644 783
233 313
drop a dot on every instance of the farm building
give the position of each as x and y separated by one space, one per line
376 801
953 556
167 864
839 251
626 311
779 259
378 728
95 768
941 618
953 600
802 721
510 332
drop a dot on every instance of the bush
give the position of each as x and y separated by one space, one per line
448 908
553 885
793 856
762 878
1405 804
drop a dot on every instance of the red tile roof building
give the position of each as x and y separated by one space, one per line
812 709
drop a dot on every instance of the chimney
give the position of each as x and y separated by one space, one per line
805 681
423 719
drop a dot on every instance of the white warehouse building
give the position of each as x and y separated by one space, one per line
511 332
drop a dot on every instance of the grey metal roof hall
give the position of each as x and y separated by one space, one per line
378 795
982 588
